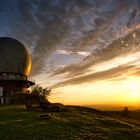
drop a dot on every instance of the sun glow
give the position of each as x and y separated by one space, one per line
133 87
134 90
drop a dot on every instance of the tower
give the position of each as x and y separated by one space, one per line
15 65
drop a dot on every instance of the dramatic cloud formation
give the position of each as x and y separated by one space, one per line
119 47
103 75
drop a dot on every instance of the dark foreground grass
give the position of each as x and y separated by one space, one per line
73 123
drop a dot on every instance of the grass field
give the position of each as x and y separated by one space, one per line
73 123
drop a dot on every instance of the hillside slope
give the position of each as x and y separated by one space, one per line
73 123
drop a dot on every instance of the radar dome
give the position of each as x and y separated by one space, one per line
14 57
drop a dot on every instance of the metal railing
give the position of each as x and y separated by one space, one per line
16 77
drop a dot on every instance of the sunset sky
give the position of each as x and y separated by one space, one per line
87 51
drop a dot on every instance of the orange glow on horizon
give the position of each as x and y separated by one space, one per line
125 92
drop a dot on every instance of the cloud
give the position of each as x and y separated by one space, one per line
132 17
120 47
116 72
67 52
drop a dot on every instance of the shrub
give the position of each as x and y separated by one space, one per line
36 96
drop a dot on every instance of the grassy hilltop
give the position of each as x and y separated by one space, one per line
72 123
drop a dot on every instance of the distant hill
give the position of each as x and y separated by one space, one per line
70 123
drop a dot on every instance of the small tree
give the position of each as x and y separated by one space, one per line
42 94
126 112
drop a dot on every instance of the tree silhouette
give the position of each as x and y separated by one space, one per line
40 91
126 112
42 94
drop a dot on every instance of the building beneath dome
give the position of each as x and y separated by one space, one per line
15 65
